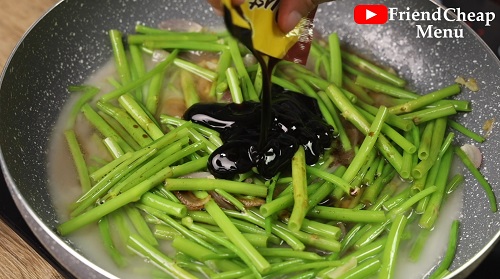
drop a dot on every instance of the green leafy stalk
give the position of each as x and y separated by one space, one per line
454 183
335 60
138 69
410 202
356 118
365 269
407 159
373 69
113 148
283 202
242 254
140 225
166 36
140 116
154 91
392 134
309 91
188 88
129 196
347 215
299 182
384 88
436 143
125 88
435 201
185 45
88 94
100 173
175 224
479 177
462 129
450 251
196 70
166 158
104 127
141 247
109 245
390 253
367 145
425 141
79 160
120 56
370 194
120 131
392 120
234 85
201 253
332 178
236 237
206 184
129 124
242 72
425 115
357 90
171 208
100 188
425 100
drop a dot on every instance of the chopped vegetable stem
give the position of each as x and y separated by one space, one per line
347 215
335 60
479 177
109 245
300 197
425 99
79 160
431 212
355 117
373 69
384 88
367 145
160 67
450 251
104 128
390 254
129 196
207 184
141 247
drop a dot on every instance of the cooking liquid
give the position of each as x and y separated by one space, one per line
65 189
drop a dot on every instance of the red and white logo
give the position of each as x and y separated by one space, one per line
371 14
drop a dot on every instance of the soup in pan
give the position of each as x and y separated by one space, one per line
158 157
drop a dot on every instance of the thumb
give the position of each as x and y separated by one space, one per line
292 11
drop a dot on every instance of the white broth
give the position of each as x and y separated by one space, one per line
65 189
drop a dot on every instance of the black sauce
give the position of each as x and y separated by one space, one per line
245 37
296 120
264 135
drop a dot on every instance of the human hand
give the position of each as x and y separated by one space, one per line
289 14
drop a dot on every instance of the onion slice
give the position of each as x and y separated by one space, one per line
180 25
190 200
473 153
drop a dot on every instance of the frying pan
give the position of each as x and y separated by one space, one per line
70 42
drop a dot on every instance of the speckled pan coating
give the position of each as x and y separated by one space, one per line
71 41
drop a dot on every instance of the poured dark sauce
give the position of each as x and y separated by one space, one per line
296 120
264 134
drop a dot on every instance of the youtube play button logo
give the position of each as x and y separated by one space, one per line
370 14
